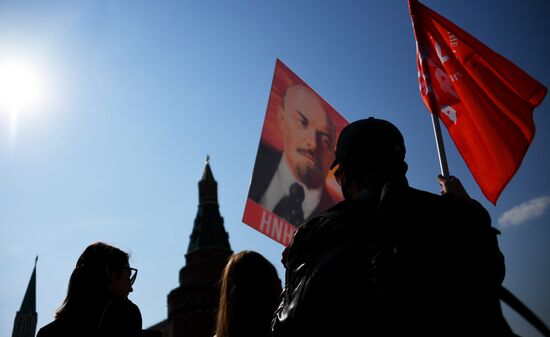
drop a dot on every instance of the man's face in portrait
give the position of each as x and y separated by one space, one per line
308 136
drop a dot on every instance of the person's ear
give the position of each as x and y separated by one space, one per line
111 275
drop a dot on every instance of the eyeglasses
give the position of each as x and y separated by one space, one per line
132 274
339 175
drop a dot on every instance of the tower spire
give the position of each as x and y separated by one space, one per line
208 187
197 297
26 317
29 300
208 229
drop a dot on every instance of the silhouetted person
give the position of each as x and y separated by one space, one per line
250 293
97 301
391 260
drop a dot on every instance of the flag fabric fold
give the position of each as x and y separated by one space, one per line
485 101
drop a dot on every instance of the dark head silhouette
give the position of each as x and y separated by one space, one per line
370 152
90 284
250 290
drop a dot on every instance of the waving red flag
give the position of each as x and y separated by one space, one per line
485 101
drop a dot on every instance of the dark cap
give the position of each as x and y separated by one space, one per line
369 139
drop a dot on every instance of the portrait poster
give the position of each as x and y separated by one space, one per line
291 181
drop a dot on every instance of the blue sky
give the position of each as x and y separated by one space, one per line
136 94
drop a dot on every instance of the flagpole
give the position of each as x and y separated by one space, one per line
443 166
440 146
435 118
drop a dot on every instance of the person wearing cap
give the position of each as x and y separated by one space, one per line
291 182
391 260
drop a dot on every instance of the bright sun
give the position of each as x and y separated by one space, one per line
21 91
20 86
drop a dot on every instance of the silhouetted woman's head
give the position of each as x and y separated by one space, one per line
102 273
250 291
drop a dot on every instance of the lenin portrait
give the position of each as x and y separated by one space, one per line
291 176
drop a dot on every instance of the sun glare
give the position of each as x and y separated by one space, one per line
20 86
21 94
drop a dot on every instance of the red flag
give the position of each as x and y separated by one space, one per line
485 101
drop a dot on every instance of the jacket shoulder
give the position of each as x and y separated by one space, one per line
53 329
451 207
121 317
341 223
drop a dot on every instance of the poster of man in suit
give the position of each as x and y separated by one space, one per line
291 181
